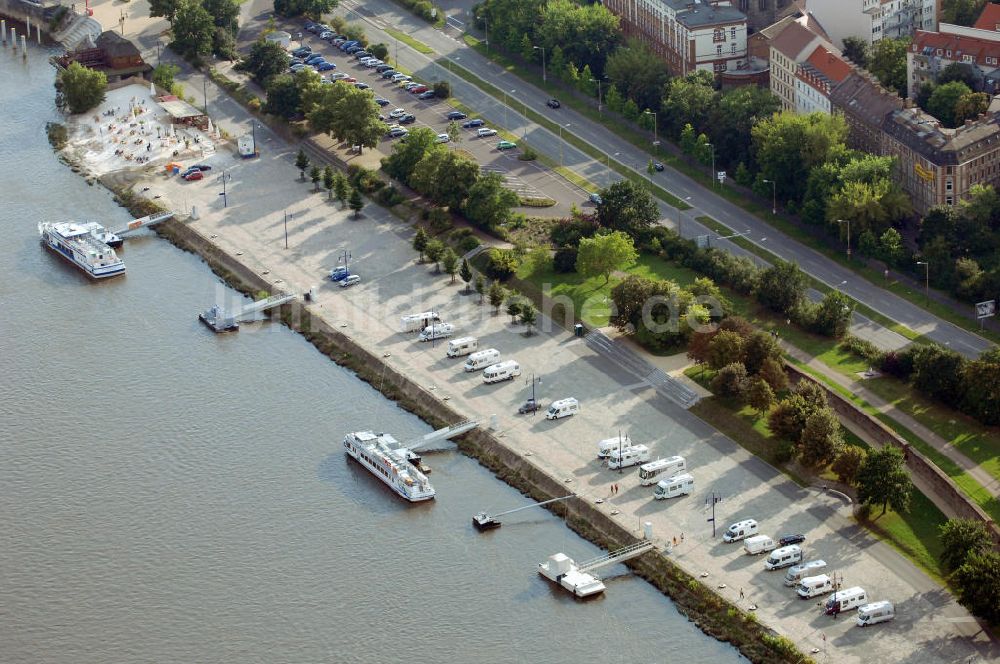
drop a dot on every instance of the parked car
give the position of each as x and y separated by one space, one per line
529 406
365 60
786 540
350 281
400 77
426 94
349 79
354 49
373 63
407 119
315 57
201 167
389 73
474 122
361 85
193 175
326 34
358 55
339 273
382 68
336 76
553 103
506 145
338 41
596 199
409 85
297 67
397 112
396 132
455 115
302 51
325 66
483 132
417 89
381 101
657 166
442 138
347 44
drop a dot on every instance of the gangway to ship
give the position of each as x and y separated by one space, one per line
579 579
484 521
142 222
446 433
220 320
619 556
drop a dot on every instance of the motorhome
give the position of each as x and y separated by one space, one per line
786 556
608 445
648 472
508 370
414 322
678 485
876 612
796 573
811 586
562 408
758 544
481 359
740 530
845 600
462 346
437 331
629 456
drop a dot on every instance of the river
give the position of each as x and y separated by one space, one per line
169 495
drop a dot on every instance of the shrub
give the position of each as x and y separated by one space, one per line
528 154
898 363
464 239
501 264
439 220
565 259
864 349
389 196
569 232
731 381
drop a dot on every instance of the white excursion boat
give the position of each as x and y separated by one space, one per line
381 454
563 570
77 244
103 234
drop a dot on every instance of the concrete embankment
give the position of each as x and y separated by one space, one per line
713 614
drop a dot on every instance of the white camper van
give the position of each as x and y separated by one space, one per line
740 530
414 322
462 346
508 370
758 544
562 408
609 445
786 556
811 586
629 456
678 485
796 573
876 612
845 600
648 472
436 331
481 359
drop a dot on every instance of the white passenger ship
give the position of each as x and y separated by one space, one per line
77 244
381 454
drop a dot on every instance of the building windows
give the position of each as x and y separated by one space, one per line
718 49
948 185
732 33
762 5
719 35
949 200
732 48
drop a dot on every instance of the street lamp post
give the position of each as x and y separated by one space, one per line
709 145
927 279
848 222
505 124
656 140
542 49
600 107
730 237
486 29
774 199
225 198
533 401
567 125
286 229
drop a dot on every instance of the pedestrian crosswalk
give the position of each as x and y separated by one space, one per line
665 385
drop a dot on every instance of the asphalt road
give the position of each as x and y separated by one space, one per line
520 94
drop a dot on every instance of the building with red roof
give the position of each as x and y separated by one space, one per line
816 77
931 52
989 19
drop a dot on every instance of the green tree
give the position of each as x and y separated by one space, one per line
961 12
284 97
821 438
480 287
883 480
888 62
265 59
514 304
758 348
781 287
420 242
454 132
527 48
891 248
772 371
760 396
939 373
449 260
328 181
465 272
958 71
163 76
357 119
489 203
960 538
341 188
313 8
380 51
501 263
731 381
688 100
79 88
315 174
943 102
446 177
832 316
192 29
856 50
725 348
627 207
435 250
638 73
164 8
302 163
528 316
557 62
497 294
688 139
613 99
356 203
407 154
848 463
603 254
442 89
787 145
981 379
978 581
968 107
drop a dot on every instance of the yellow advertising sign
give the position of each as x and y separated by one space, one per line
923 173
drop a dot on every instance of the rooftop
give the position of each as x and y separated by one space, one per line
989 19
700 13
793 41
960 45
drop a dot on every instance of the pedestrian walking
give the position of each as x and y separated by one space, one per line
741 593
682 537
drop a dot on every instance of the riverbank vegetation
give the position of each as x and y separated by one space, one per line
79 89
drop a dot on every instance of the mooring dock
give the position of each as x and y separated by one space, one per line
220 320
577 578
484 521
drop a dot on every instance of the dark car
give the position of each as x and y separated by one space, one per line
553 103
785 540
529 406
474 122
383 67
381 101
302 51
409 118
201 167
456 115
657 166
426 94
389 73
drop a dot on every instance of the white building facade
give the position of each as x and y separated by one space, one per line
872 20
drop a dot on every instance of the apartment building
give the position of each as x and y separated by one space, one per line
873 20
788 49
989 19
815 79
931 52
690 35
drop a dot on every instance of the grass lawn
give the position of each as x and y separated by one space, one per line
914 534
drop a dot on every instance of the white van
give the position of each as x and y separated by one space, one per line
414 322
796 573
562 408
678 485
508 370
811 586
845 600
758 544
462 346
436 331
629 456
609 445
648 472
876 612
482 358
786 556
740 530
